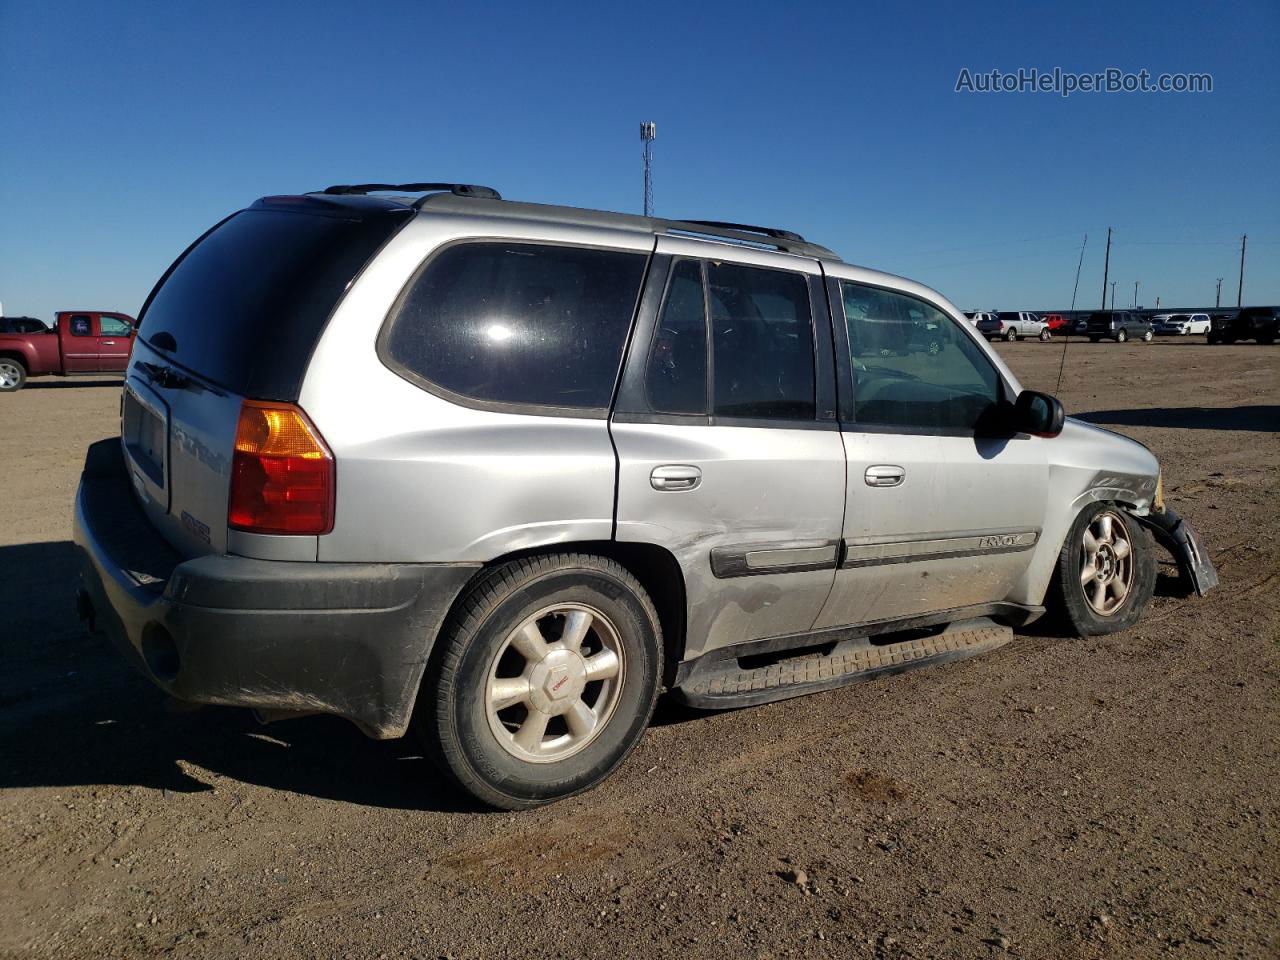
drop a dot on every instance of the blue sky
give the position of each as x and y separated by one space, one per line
129 129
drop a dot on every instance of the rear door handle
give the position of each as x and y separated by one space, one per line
884 475
107 343
675 477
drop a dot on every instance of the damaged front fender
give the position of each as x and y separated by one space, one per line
1178 537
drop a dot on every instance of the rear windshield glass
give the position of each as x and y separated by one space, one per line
1008 317
245 306
518 323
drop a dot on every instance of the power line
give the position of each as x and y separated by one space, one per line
1062 364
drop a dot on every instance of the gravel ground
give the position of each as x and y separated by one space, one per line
1113 797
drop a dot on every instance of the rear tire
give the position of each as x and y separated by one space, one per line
1103 584
544 679
1122 336
1010 336
13 375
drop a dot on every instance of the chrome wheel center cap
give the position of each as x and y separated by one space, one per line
557 681
1105 561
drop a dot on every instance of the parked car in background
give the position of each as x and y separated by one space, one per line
81 341
1180 324
1057 322
1118 325
22 325
978 316
1252 323
1013 325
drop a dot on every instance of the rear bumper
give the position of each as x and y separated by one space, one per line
348 639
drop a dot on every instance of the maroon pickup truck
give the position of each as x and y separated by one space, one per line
81 341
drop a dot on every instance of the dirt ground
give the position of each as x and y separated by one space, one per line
1114 797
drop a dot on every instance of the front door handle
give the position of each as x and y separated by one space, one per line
884 475
675 477
107 343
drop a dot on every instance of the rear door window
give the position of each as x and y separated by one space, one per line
677 376
762 343
522 324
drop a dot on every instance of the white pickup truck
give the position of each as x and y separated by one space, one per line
1013 325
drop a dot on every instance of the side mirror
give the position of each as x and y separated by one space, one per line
1038 414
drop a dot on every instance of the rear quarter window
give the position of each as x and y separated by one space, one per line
245 305
517 324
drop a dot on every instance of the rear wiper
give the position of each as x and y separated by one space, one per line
165 376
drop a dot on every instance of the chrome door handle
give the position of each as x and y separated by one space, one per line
675 477
107 343
884 475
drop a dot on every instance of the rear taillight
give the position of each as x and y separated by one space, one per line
282 474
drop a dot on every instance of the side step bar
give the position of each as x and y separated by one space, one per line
715 684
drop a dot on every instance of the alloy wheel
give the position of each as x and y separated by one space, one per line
1106 563
10 375
554 683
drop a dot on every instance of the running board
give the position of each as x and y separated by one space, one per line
729 682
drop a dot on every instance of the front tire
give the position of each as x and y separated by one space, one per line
544 679
13 375
1045 335
1106 571
1146 337
1122 336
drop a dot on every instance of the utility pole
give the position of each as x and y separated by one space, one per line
1217 299
1240 291
1135 294
648 133
1106 270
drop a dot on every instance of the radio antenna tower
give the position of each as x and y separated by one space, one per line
648 132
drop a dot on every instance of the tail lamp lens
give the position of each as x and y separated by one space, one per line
282 474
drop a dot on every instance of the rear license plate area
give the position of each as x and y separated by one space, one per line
145 431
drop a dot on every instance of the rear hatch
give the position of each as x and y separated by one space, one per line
1100 321
236 317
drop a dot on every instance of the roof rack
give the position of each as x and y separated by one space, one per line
772 232
458 189
784 241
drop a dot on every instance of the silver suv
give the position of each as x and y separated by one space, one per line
499 472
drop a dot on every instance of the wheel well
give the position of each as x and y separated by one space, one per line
658 572
12 355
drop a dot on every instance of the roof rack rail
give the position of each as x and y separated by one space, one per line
782 240
772 232
458 189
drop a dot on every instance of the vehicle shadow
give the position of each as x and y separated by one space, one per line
1263 418
72 712
61 384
